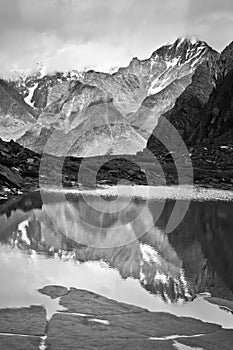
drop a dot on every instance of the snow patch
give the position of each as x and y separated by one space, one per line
169 337
224 147
161 277
173 62
97 320
30 95
193 40
18 334
181 40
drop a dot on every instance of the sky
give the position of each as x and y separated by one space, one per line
103 34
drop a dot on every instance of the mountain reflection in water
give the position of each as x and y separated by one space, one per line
196 257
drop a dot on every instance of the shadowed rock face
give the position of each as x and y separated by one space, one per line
194 258
226 60
217 122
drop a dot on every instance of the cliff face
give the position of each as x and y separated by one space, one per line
217 123
226 60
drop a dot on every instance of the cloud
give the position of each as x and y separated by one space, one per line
200 8
83 19
78 33
211 20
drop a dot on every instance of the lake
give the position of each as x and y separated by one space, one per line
166 253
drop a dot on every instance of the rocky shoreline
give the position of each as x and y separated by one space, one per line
91 321
20 169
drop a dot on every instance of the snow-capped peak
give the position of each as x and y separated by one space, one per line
192 39
188 52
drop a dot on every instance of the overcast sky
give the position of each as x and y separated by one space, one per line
66 34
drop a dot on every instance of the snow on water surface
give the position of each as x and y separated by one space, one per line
179 346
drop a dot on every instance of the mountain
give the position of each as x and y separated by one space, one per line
131 84
133 98
83 121
202 114
16 117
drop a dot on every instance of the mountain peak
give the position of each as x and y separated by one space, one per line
187 39
183 49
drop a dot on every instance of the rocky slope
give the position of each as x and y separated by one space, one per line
88 316
20 169
39 90
135 95
83 121
16 116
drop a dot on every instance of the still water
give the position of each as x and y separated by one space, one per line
120 248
